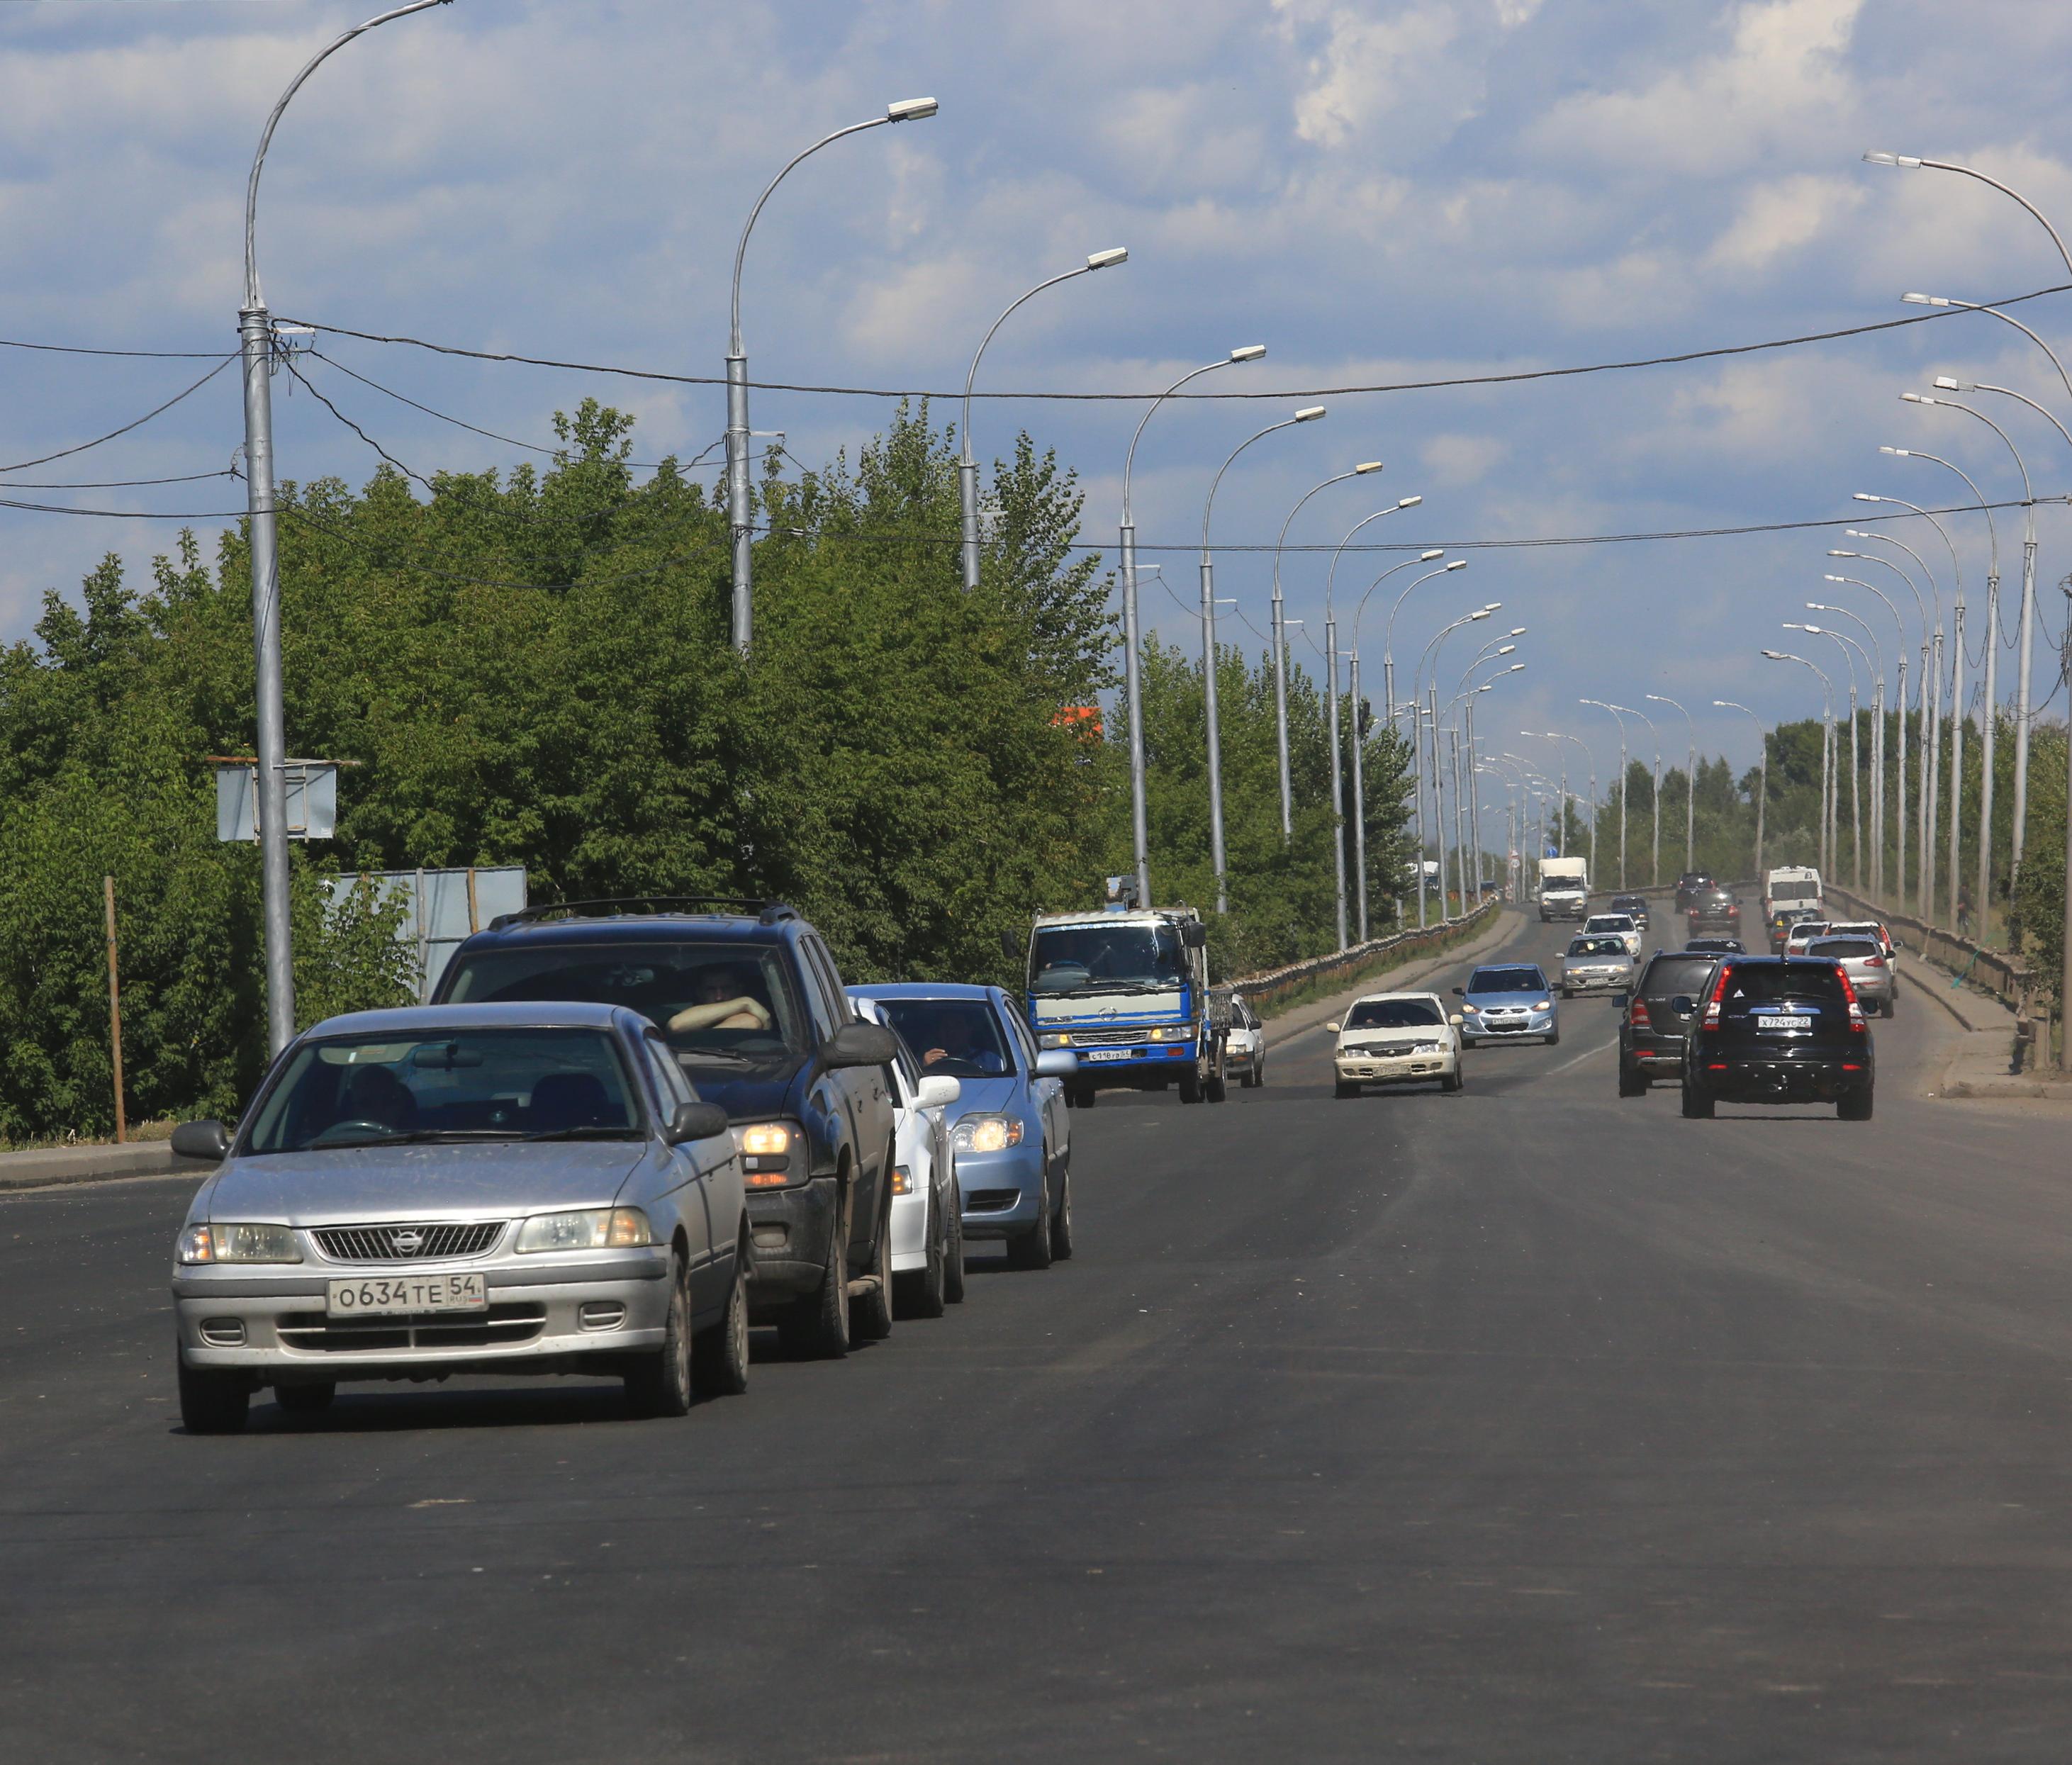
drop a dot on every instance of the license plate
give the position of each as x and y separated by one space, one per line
1106 1054
390 1296
1787 1020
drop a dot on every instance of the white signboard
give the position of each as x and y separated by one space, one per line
442 907
312 800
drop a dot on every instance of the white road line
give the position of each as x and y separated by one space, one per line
1587 1054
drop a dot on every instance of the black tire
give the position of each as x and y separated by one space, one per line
953 1253
1031 1250
1061 1224
306 1400
1191 1087
1856 1106
1345 1087
1890 1006
1631 1083
658 1384
719 1355
870 1311
815 1327
1451 1082
1697 1105
1554 1038
918 1292
212 1402
1217 1085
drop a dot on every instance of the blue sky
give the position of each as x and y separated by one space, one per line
1377 192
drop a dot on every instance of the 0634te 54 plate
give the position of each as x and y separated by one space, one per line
391 1296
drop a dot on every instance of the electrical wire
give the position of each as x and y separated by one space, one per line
128 483
132 355
1514 378
66 453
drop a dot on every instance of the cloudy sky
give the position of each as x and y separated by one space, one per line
1379 192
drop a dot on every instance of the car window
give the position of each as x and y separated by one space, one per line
1773 982
1850 948
1598 946
1393 1015
958 1038
1526 979
829 1006
460 1084
1018 1032
1668 976
670 1083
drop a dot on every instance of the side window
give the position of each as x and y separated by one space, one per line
670 1083
828 1009
1020 1031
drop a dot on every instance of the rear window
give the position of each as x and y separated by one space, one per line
1506 980
1794 892
1771 984
1666 977
1849 947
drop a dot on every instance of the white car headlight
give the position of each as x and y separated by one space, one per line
1545 1005
238 1244
986 1133
1054 1041
588 1229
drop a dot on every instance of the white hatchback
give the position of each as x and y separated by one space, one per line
1244 1045
1396 1038
927 1207
1616 925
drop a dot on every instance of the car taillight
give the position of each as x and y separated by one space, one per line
1873 961
1637 1014
1849 993
1718 993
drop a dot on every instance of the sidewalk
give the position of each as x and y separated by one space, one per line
51 1165
1979 1061
1410 977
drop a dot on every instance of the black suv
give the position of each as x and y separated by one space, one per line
1714 909
1636 905
1651 1032
1689 886
751 1006
1779 1029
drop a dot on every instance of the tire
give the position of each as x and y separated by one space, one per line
1891 1004
1631 1083
306 1400
816 1326
1345 1087
658 1384
871 1312
719 1354
1856 1107
1061 1224
212 1402
1191 1087
1259 1068
1217 1086
1032 1248
953 1252
1697 1106
1554 1038
918 1292
1087 1096
1451 1082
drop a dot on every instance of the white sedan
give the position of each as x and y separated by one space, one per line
1616 925
927 1207
1396 1038
1245 1047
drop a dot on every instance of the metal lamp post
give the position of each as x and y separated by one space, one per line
1656 862
1389 636
1926 650
1856 762
1133 682
1930 802
255 333
1827 751
1877 738
1359 744
1899 746
1588 755
1308 414
1762 776
1690 781
1430 700
1602 706
740 512
967 461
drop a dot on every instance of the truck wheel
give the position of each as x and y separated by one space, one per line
719 1354
816 1326
1032 1248
213 1402
1191 1087
870 1311
1218 1087
918 1292
658 1384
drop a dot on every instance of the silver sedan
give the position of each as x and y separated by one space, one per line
464 1189
1597 962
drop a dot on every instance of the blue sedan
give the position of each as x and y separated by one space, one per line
1504 1001
1008 1130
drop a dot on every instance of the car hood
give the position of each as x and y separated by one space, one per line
1533 998
1391 1038
351 1183
751 1095
999 1095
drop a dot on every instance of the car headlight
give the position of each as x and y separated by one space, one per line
588 1229
1058 1041
1545 1005
238 1244
1465 1006
766 1154
986 1133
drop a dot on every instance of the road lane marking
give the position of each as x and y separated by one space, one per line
1587 1054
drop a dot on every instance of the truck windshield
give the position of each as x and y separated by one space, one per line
1783 890
1072 958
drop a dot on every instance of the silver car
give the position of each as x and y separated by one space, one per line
464 1189
1597 962
1870 969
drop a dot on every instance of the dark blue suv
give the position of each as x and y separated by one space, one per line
750 1004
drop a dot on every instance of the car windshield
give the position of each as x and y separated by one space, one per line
1611 922
959 1038
718 1004
1808 928
460 1084
1506 980
1598 946
1630 903
1866 930
1393 1015
1076 958
1771 983
1794 892
1846 949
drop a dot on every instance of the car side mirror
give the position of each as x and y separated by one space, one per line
936 1091
860 1044
201 1140
1056 1063
1194 935
1458 993
1331 1028
696 1121
1010 946
1455 1018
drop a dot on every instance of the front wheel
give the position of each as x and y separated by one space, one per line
1032 1248
1345 1087
953 1249
1191 1087
870 1311
1061 1224
1553 1039
719 1356
658 1384
918 1292
1452 1081
212 1402
816 1326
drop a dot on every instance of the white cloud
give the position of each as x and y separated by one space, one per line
1456 460
1777 219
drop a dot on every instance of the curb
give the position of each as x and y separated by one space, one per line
57 1165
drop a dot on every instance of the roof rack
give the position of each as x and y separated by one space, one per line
609 907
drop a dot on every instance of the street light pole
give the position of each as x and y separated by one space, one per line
1133 641
1856 762
1602 706
1656 881
1877 743
1308 414
967 461
1826 749
1762 777
255 337
740 513
1690 783
1930 802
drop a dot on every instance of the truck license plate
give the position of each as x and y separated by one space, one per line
1107 1054
391 1296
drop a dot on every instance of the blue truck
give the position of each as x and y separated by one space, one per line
1127 989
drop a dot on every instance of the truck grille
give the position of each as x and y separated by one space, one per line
407 1243
1095 1038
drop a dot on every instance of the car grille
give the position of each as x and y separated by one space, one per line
991 1200
314 1332
407 1243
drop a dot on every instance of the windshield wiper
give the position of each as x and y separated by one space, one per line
417 1136
592 1132
1142 984
707 1056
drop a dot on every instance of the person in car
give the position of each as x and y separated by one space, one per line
953 1041
720 1002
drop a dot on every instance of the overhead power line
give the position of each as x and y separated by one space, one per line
66 453
1513 378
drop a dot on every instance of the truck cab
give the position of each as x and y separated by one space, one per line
1127 989
1564 888
1794 888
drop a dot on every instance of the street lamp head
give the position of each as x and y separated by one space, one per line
1826 577
1866 496
1308 413
1365 467
1480 612
1492 607
1944 383
1248 352
1517 631
909 110
1506 649
1426 557
1897 453
1105 260
1917 398
1905 162
1411 502
1515 667
1458 563
1833 554
1776 656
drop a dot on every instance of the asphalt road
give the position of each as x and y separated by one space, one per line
1523 1425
